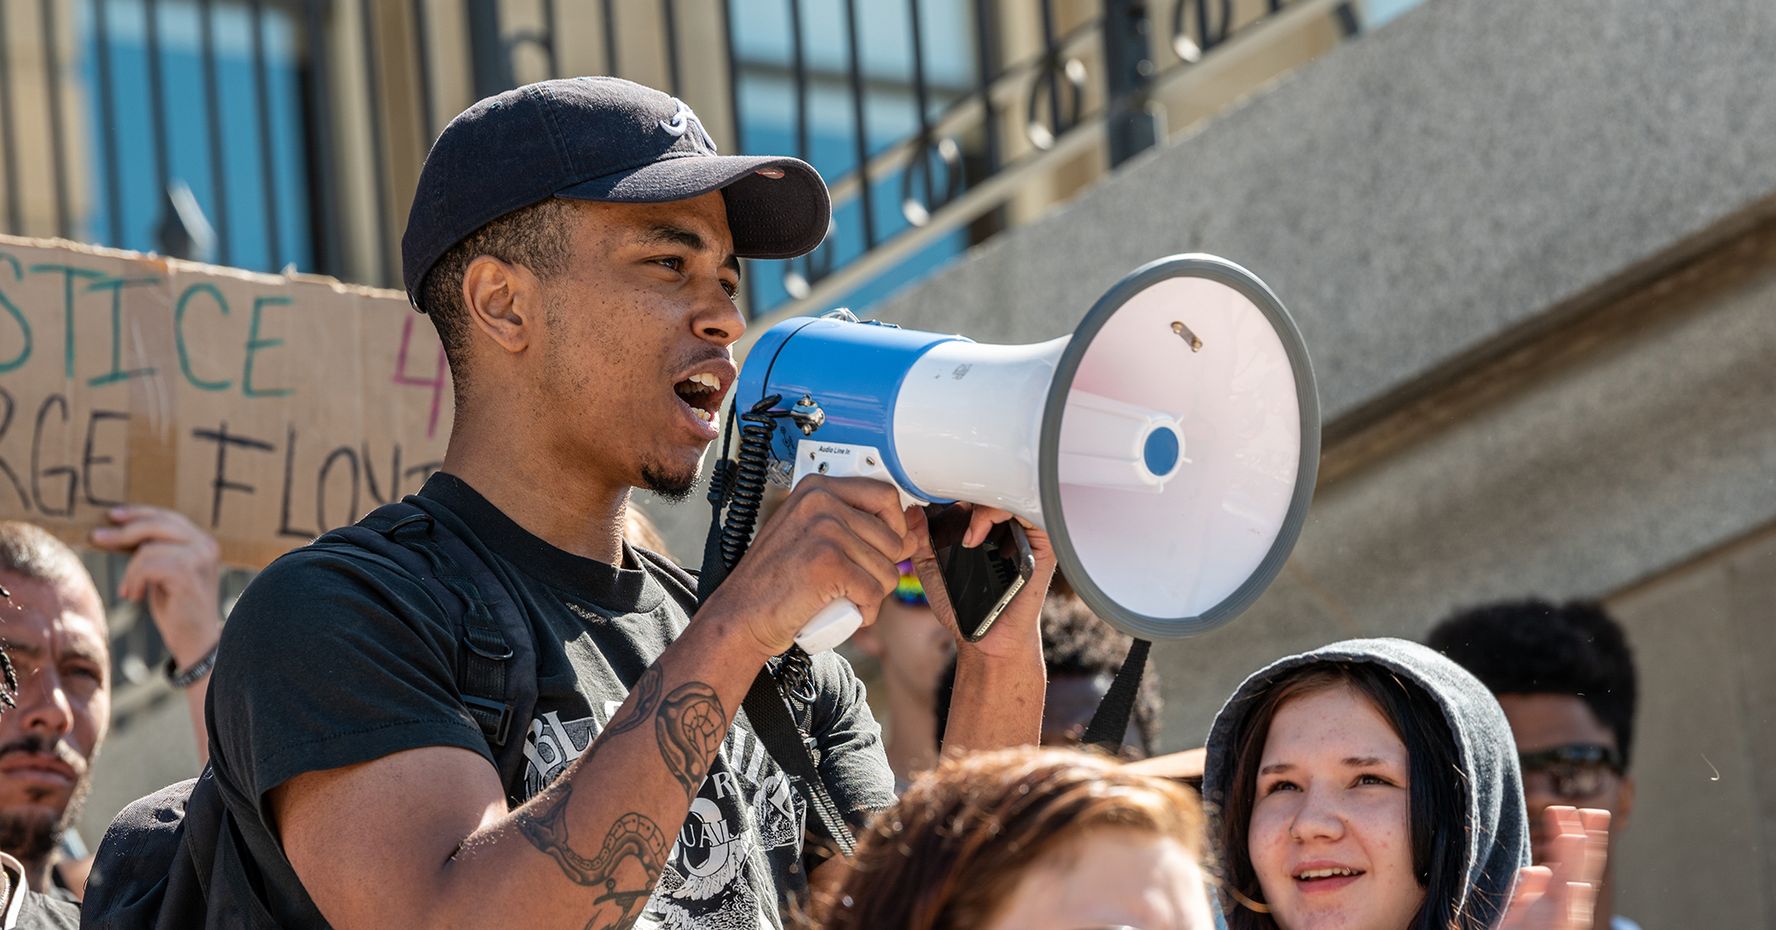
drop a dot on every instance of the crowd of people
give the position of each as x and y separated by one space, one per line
552 726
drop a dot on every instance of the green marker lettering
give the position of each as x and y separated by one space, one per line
24 353
68 273
116 286
254 344
179 335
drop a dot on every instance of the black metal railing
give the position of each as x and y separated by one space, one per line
288 132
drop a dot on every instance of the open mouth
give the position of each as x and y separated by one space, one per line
702 393
1311 875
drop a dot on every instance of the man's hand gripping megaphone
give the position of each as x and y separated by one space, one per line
839 539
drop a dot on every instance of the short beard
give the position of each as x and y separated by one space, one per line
31 835
673 489
34 835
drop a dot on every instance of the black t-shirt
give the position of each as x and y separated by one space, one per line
330 660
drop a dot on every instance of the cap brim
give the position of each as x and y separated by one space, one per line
781 213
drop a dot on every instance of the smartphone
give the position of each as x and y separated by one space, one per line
983 579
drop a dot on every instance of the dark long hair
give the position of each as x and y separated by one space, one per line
1437 792
952 851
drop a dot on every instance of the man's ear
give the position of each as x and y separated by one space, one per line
503 301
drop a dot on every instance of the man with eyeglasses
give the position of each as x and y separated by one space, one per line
1565 677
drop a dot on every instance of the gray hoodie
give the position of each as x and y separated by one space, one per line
1498 838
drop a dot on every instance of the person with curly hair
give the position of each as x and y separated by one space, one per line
1565 677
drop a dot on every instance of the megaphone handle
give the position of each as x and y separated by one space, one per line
831 626
838 620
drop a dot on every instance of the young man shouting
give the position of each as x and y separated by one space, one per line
576 243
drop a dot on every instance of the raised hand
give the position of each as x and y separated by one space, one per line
1000 680
1019 624
175 568
1562 893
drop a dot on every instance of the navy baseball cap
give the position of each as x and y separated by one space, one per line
603 139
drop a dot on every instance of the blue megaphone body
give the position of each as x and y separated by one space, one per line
1168 447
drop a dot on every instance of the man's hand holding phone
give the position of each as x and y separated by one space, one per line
1001 681
980 624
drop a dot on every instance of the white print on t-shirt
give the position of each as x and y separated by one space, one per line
708 853
552 745
701 886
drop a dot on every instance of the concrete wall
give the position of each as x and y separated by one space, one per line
1426 190
1700 847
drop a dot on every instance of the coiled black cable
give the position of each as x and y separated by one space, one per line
741 489
746 488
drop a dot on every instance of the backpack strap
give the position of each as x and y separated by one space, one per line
155 866
496 673
794 752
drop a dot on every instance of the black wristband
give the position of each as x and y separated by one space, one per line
190 676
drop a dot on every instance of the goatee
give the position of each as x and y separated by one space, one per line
34 832
29 835
672 489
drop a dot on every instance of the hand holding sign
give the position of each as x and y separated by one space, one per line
175 569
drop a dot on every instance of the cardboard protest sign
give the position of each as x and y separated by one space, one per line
266 408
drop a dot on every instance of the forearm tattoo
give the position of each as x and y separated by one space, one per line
632 836
646 697
690 727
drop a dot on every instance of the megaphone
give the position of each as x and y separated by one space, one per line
1169 447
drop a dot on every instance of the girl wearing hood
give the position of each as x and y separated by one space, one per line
1374 784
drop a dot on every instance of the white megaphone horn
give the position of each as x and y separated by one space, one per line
1169 446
